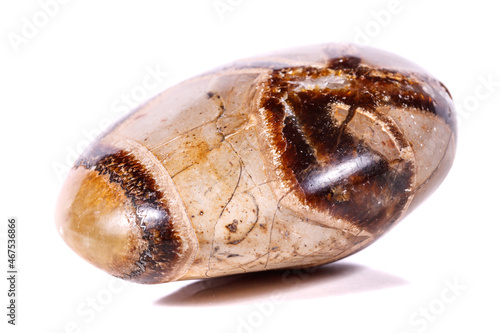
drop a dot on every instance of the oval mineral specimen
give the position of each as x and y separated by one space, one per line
291 160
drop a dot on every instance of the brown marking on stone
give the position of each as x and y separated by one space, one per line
151 214
312 146
347 62
232 227
402 89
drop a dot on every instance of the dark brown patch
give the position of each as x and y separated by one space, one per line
152 216
232 227
330 168
347 62
401 89
295 149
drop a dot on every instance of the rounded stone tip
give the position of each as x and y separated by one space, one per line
97 220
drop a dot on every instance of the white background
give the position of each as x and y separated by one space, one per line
70 73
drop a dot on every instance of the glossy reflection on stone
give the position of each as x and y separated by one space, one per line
290 160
